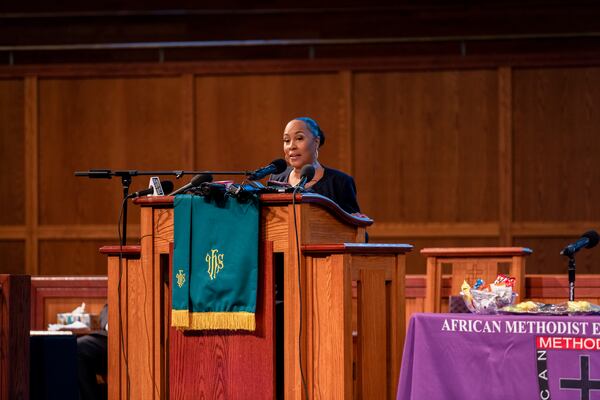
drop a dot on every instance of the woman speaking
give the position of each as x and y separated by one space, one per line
301 141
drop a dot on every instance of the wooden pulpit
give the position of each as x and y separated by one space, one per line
148 359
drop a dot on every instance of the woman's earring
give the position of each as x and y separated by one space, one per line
316 154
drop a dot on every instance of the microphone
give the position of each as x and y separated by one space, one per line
167 187
196 181
276 167
156 188
587 240
160 188
306 174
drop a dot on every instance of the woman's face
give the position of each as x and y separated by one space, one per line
299 144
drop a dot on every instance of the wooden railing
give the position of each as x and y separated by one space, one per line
542 288
55 294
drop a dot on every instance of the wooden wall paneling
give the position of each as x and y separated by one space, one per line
299 66
117 123
12 151
391 230
346 126
188 129
505 182
556 147
546 259
13 231
31 172
552 228
416 263
240 119
109 233
72 257
13 256
427 145
557 286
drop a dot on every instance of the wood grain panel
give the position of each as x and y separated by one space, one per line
556 146
329 360
103 123
373 349
415 262
240 119
12 152
14 336
72 257
546 259
51 295
12 253
229 365
426 145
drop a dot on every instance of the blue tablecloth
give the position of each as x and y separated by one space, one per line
467 356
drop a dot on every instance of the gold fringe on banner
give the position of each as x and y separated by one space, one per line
180 319
223 320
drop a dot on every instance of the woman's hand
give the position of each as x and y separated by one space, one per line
360 215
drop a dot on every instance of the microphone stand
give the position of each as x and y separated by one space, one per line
125 182
126 178
572 277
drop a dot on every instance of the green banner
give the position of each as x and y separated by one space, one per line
215 263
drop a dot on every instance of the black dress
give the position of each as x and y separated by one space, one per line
334 184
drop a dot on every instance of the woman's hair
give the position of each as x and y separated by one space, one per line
314 128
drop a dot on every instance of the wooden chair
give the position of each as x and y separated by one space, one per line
470 263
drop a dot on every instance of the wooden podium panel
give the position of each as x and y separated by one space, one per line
207 364
217 365
379 273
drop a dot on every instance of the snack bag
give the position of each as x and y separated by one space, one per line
489 299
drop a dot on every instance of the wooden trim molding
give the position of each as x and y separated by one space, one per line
275 199
476 251
13 232
356 248
31 172
551 229
434 229
302 65
46 287
126 251
505 156
109 232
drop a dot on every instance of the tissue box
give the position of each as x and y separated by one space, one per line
92 321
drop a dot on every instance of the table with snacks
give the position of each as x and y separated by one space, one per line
530 351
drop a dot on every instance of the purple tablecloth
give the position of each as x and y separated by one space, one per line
467 356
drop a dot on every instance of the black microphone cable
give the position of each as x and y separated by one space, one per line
305 387
122 348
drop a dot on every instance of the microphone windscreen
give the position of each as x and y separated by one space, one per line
280 164
307 172
201 178
167 186
592 237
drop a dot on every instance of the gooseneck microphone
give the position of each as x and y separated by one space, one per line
307 173
196 181
276 167
587 240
